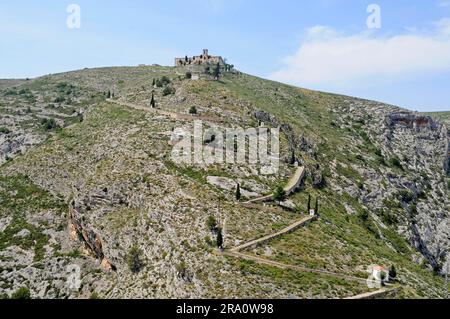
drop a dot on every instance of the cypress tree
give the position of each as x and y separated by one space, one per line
238 192
393 272
152 101
217 71
317 205
309 204
292 162
219 238
279 194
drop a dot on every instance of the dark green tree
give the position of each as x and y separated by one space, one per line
134 260
168 90
108 95
193 110
211 223
22 293
309 204
219 238
154 82
238 192
217 72
393 272
152 101
317 206
49 124
363 216
292 162
383 278
279 194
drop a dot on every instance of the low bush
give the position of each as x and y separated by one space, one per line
4 130
134 259
49 124
168 90
193 110
22 293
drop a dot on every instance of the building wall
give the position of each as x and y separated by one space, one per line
199 60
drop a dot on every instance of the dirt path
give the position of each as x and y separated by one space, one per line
375 294
264 240
272 263
172 115
291 186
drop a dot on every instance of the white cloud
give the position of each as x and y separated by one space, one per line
444 3
332 60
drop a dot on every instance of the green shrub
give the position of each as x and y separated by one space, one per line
60 99
11 92
188 75
363 216
193 110
395 161
393 272
211 223
279 194
406 195
49 124
168 90
163 81
378 152
159 83
4 130
388 217
22 293
134 259
181 269
209 241
94 295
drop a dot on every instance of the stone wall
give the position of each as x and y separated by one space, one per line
199 60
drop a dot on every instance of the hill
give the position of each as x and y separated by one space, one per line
442 116
88 179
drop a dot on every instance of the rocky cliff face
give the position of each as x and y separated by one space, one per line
415 189
90 239
112 180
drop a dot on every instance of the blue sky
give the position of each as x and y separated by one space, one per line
322 44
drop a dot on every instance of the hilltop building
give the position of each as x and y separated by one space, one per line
203 59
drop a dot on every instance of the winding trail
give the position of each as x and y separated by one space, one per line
277 264
264 240
375 294
291 186
172 115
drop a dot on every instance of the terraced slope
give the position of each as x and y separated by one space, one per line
377 170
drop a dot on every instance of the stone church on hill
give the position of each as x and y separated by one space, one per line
205 58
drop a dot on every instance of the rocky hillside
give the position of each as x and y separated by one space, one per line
87 179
